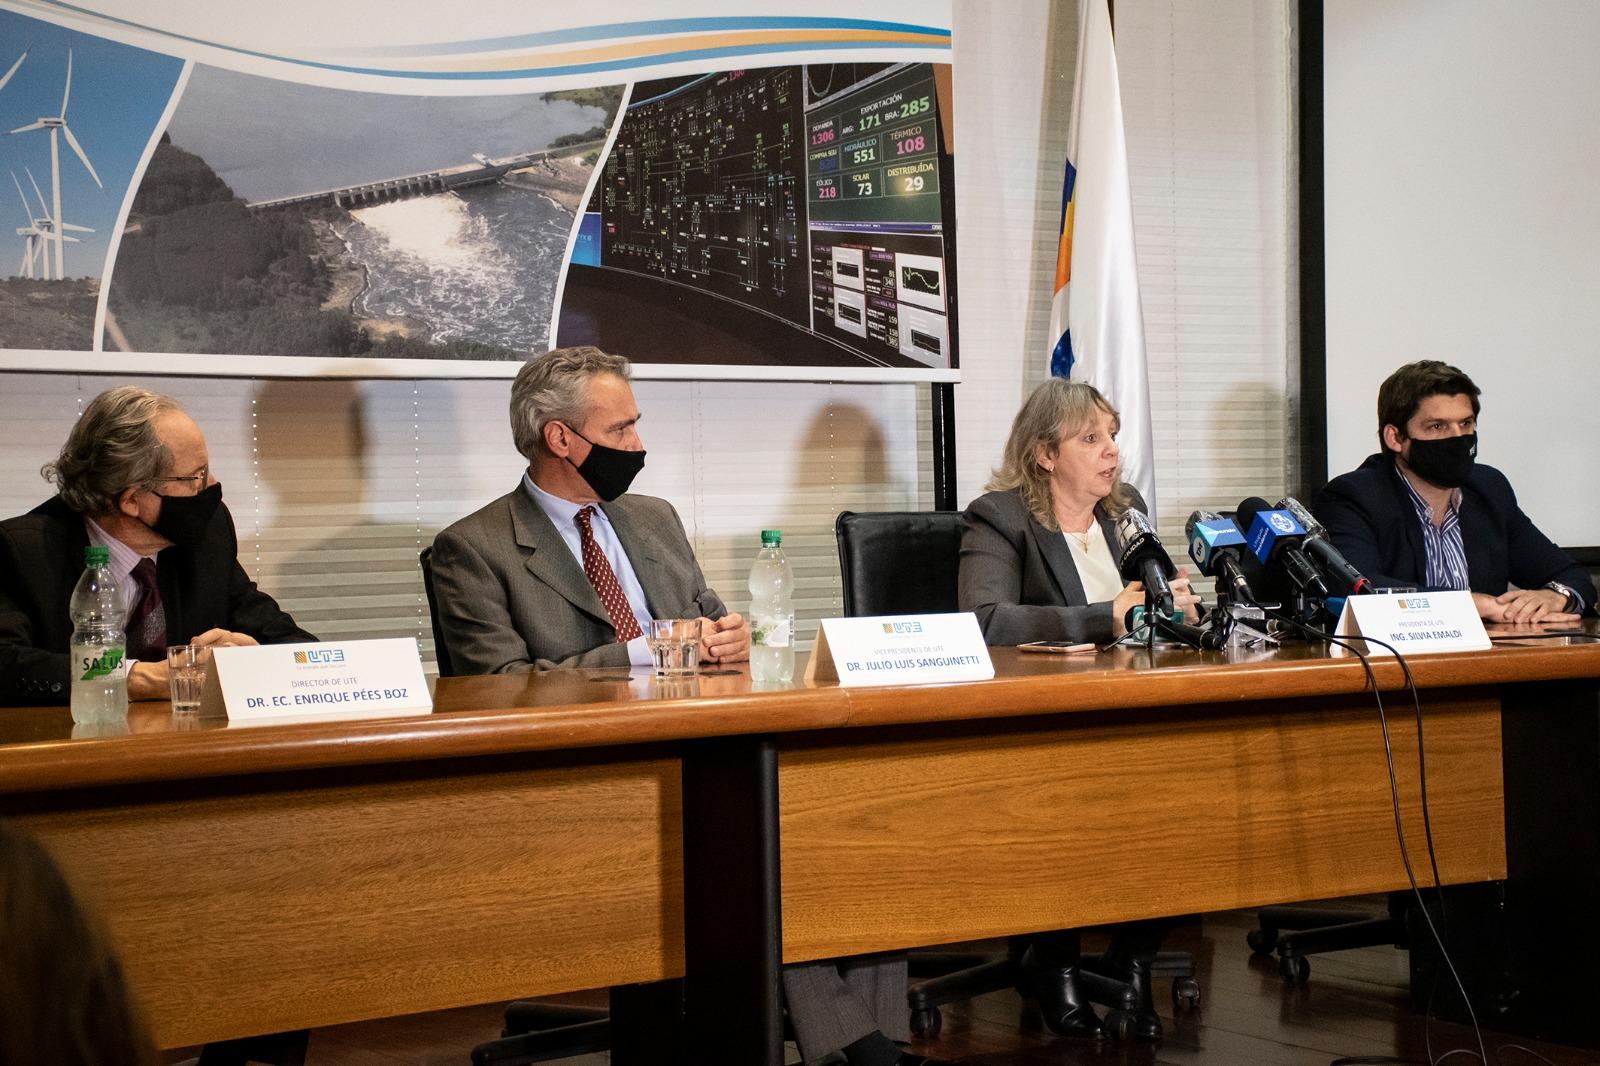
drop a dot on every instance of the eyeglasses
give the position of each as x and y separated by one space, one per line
201 479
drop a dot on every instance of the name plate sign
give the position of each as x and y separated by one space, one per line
1415 621
906 649
312 682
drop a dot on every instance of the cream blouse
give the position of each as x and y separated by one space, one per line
1096 569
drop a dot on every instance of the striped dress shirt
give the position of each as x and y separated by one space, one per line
1447 559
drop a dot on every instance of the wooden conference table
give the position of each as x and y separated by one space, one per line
585 829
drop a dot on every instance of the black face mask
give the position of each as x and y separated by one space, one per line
1445 462
184 519
609 471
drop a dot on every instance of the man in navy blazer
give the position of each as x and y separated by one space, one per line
1423 513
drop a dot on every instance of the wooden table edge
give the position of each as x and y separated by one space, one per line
49 766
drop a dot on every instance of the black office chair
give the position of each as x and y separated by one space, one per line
906 562
534 1032
1294 932
441 650
899 562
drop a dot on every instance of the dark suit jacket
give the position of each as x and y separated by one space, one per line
512 597
41 559
1019 578
1371 518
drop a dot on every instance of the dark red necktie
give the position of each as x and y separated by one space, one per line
147 626
597 568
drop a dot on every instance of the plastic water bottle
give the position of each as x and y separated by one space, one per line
99 645
771 612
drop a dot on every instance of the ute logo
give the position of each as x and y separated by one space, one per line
1413 603
319 655
902 628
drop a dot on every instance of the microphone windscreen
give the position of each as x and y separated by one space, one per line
1303 515
1249 508
1132 526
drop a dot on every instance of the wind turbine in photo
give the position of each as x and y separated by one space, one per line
31 233
57 124
13 69
42 229
33 236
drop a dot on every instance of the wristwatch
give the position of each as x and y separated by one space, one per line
1574 604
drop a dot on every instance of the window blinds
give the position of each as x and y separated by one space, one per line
1206 96
337 484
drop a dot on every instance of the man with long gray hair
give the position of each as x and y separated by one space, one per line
134 476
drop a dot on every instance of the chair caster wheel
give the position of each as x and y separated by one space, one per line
1296 969
1261 941
1185 993
1120 1024
925 1024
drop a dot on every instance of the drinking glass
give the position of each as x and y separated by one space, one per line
186 674
675 646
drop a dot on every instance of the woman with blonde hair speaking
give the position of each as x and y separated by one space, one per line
1038 562
1038 551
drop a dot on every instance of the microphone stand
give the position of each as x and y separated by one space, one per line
1160 623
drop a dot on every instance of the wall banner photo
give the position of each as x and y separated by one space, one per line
409 190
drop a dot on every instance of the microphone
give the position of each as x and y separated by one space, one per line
1144 559
1208 638
1217 548
1275 538
1320 547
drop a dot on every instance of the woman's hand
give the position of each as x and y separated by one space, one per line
1131 596
1184 598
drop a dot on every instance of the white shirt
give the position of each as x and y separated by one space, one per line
1096 569
563 514
123 560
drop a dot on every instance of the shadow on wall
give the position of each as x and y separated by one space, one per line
840 465
1234 456
1231 452
340 550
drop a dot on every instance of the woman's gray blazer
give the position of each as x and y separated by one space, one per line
1019 579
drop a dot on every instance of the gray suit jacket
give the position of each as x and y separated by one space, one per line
512 597
1019 578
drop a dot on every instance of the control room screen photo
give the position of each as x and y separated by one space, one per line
786 216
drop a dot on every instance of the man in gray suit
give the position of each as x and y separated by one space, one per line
567 570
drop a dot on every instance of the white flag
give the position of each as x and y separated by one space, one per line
1096 323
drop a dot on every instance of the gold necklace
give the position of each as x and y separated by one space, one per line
1080 539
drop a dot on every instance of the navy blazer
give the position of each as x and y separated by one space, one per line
1370 516
41 559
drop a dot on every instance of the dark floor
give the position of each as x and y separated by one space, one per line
1354 1005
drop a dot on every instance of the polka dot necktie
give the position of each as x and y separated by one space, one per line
147 625
598 570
